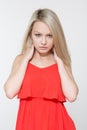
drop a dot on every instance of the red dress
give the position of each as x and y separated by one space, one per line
41 101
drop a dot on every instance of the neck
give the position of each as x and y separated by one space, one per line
42 56
43 60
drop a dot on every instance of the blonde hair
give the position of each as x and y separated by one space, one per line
51 19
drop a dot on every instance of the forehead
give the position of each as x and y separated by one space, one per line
41 27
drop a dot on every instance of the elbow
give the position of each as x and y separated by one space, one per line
73 97
8 92
10 96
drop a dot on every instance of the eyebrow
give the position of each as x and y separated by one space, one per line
41 33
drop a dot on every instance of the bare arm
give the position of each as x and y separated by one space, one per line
69 86
14 81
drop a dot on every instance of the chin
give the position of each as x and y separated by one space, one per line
44 52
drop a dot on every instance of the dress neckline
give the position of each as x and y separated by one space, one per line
46 67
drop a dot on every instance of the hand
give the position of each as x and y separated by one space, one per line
29 52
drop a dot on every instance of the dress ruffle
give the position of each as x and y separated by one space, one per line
42 85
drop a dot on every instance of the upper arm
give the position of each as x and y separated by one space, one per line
15 63
69 71
13 70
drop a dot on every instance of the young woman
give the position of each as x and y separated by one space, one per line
41 76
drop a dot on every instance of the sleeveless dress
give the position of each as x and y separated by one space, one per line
42 101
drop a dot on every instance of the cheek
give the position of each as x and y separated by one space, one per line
35 41
51 44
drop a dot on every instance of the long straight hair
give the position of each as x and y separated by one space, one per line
51 19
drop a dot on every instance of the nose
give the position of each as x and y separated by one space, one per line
44 41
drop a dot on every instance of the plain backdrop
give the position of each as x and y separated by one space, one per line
14 18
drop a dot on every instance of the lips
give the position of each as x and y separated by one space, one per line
43 48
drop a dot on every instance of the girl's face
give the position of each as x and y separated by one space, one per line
42 37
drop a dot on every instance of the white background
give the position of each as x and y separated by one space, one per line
14 17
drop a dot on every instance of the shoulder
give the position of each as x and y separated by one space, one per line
17 59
